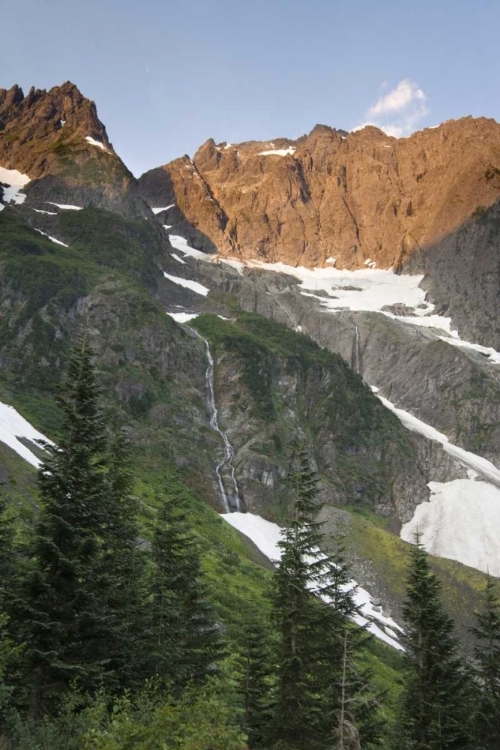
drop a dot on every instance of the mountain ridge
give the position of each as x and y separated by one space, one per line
361 198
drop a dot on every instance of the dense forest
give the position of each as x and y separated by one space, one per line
109 637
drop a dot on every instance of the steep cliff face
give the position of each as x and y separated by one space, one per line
455 389
462 276
360 198
56 138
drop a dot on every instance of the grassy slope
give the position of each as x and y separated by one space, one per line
388 557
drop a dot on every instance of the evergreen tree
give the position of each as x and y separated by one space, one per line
257 678
487 654
9 584
186 633
435 697
297 718
350 708
318 671
65 623
123 569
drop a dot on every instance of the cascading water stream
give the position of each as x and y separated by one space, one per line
357 357
232 501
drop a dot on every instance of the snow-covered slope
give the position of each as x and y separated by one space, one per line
266 536
461 521
13 428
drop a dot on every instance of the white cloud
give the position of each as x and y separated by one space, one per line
399 111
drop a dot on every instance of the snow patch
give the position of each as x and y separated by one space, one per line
188 284
13 427
99 144
52 239
179 260
183 317
279 152
366 289
157 211
15 180
167 226
266 536
66 206
182 245
49 213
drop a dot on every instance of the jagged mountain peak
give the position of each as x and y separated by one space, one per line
56 139
39 128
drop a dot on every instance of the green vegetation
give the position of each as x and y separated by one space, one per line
389 556
436 700
79 628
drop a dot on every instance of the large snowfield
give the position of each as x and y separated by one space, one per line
461 522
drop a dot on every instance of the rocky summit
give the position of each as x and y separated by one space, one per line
56 139
375 342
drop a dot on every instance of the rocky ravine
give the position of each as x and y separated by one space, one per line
359 197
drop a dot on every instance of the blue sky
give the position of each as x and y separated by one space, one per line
166 76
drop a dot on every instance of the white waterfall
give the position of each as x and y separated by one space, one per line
356 352
232 500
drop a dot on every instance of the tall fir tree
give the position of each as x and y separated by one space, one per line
257 670
487 657
123 569
9 592
66 625
351 709
185 630
436 697
318 653
297 718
